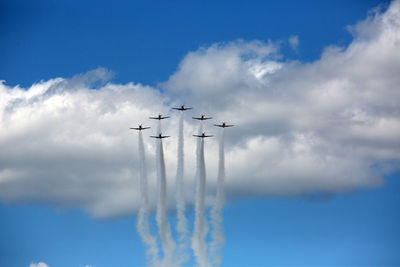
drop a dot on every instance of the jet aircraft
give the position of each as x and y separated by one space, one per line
224 125
159 117
182 108
203 135
140 128
160 136
202 118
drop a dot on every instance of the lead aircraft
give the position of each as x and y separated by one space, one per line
182 108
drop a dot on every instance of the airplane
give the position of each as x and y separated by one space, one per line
203 135
202 118
182 108
224 125
140 128
159 117
160 136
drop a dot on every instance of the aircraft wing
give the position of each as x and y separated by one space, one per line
231 125
207 118
165 136
196 118
153 118
207 136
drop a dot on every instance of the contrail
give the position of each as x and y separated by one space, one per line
143 222
167 242
181 225
217 233
200 226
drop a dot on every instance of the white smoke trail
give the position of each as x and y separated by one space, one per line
158 127
181 225
217 232
142 225
167 242
199 132
199 245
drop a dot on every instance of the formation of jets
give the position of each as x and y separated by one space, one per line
181 108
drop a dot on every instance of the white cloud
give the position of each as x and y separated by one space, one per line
328 126
294 42
39 264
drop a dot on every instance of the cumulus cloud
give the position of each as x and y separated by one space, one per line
39 264
329 126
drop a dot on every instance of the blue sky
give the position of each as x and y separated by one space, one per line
337 207
143 41
358 229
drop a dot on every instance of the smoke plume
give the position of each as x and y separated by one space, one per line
199 245
167 243
217 233
143 221
181 225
